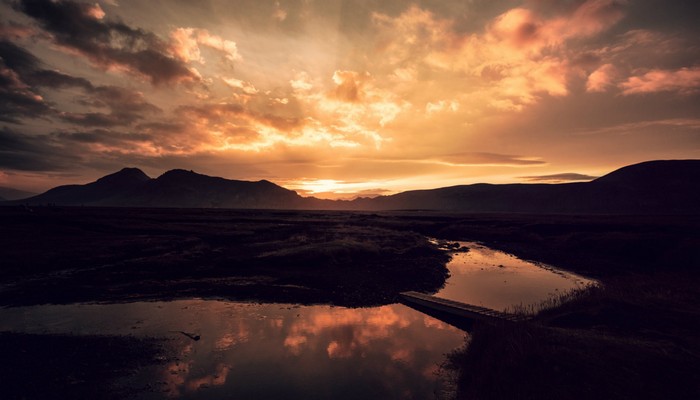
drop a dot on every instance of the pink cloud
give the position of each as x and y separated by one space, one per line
684 81
601 79
527 31
520 56
185 44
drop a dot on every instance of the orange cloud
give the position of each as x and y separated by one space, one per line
520 55
601 79
349 85
95 11
246 87
684 81
185 44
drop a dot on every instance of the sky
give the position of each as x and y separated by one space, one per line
340 98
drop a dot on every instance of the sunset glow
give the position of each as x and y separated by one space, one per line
346 98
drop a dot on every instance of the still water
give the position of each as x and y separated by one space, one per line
501 281
248 350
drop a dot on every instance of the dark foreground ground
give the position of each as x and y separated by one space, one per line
65 255
634 337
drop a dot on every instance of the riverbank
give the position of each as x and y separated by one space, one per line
634 337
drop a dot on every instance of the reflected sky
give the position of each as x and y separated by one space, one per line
501 281
273 351
267 350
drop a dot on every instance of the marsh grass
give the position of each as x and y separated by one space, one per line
632 338
553 302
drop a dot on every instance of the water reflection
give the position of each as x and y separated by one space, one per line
267 350
272 351
501 281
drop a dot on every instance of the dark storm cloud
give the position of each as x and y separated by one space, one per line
17 58
125 106
30 69
103 136
565 177
107 44
17 99
22 77
57 80
20 151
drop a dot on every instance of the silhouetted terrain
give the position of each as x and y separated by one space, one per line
7 193
634 337
654 187
130 187
72 254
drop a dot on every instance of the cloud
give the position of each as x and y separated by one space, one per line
102 136
349 85
601 79
24 79
491 159
519 56
683 81
81 28
354 107
17 98
24 152
29 69
185 44
246 87
57 80
556 178
222 114
13 30
125 107
279 14
440 106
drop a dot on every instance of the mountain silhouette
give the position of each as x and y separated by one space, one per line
654 187
96 193
131 187
7 193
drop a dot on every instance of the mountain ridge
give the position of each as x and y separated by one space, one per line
656 187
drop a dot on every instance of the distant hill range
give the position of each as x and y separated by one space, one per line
654 187
7 193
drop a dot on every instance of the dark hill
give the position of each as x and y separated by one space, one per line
7 193
180 188
130 187
655 187
99 192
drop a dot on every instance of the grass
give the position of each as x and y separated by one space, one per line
72 367
629 339
632 337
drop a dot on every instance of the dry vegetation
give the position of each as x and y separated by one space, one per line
633 337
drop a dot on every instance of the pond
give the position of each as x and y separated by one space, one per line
501 281
250 350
